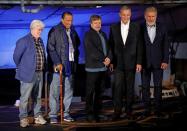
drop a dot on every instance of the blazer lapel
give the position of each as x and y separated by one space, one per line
120 35
157 32
129 34
97 44
146 35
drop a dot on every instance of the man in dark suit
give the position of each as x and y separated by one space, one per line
98 57
127 50
156 56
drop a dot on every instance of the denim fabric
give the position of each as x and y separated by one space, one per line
54 102
54 95
31 90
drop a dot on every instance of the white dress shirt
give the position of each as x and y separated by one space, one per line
124 31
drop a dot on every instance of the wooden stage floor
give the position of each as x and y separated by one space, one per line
174 110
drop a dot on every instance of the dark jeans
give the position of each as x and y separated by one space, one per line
95 82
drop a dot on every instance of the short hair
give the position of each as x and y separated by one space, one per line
66 13
151 9
125 7
37 23
94 18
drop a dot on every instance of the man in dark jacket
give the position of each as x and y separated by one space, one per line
127 51
156 56
98 57
62 47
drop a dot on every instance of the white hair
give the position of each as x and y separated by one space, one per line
36 23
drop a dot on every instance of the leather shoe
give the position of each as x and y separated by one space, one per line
115 117
91 118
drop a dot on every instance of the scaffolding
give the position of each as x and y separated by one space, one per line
91 2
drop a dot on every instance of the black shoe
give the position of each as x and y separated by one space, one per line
115 117
97 118
143 115
91 118
147 113
159 114
130 117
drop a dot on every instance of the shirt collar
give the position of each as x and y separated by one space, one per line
64 28
36 41
68 30
125 25
154 25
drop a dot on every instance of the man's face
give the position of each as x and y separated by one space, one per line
125 16
36 32
150 17
67 21
96 25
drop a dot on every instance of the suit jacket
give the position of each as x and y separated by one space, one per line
157 52
126 56
93 49
25 58
57 46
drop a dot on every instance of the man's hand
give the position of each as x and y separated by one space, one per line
138 67
106 61
164 66
111 67
59 68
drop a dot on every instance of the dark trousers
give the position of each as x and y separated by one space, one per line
157 80
95 82
123 86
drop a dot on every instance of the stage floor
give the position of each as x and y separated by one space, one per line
174 110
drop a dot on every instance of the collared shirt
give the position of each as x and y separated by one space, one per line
103 42
124 31
71 49
39 55
151 32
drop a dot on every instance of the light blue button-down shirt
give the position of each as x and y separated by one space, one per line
151 32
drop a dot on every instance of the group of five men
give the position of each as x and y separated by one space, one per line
130 48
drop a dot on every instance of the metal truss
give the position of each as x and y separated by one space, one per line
91 2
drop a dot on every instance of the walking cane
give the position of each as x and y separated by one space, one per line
61 97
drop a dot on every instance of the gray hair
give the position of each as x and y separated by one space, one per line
37 23
151 9
125 7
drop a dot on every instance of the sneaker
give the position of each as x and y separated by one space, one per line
17 103
24 122
53 121
68 118
40 120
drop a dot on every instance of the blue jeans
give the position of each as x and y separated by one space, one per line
31 90
55 93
